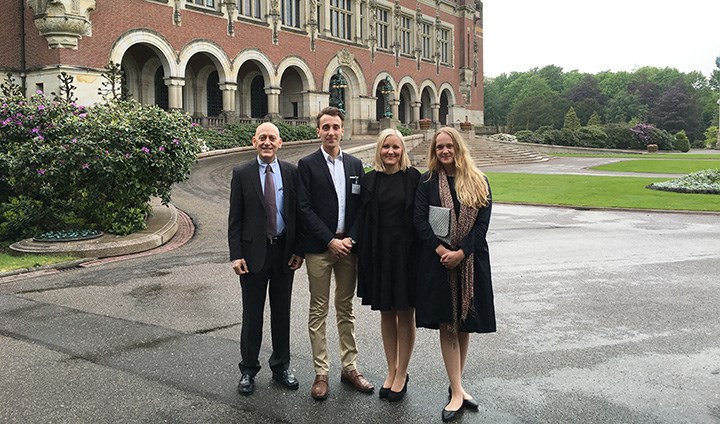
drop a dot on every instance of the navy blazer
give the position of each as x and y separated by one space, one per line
247 218
318 202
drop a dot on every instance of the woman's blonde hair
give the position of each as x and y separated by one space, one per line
470 184
404 161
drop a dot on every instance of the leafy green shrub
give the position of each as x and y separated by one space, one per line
591 136
404 130
594 119
95 167
681 142
528 136
563 137
619 136
711 137
238 135
663 139
572 122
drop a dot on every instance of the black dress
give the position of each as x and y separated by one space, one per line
386 270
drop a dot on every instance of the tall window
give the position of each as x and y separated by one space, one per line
382 28
291 13
444 40
341 19
250 8
406 34
425 45
206 3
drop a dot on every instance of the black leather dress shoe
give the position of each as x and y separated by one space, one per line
286 378
246 387
448 416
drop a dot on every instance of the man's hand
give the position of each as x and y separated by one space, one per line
240 266
339 248
295 262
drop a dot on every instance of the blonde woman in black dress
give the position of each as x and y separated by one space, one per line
386 270
454 287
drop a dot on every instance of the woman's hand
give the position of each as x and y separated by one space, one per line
452 258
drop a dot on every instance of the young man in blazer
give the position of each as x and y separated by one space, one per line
329 193
264 248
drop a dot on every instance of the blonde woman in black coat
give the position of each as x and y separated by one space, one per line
386 269
454 289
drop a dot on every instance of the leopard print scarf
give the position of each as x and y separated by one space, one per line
461 277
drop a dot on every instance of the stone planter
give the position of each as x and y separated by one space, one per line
652 148
466 126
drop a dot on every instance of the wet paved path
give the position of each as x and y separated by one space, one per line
603 317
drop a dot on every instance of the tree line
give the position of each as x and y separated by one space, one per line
663 97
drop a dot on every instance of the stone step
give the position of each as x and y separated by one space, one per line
484 153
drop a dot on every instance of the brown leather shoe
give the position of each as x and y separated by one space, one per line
357 380
319 390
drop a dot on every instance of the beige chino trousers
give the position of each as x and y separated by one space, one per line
320 266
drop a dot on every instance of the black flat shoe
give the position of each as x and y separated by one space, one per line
448 416
383 392
287 379
246 386
398 396
470 404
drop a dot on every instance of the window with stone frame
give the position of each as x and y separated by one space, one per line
425 40
250 8
291 13
445 40
341 17
206 3
382 28
406 25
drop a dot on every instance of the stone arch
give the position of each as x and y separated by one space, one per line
305 72
264 64
154 41
212 51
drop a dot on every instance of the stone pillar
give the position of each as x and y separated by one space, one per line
435 107
395 108
273 96
416 112
228 92
175 92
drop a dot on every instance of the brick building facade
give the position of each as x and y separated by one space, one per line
244 59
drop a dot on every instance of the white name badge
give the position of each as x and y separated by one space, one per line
355 189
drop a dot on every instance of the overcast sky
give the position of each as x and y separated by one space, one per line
614 35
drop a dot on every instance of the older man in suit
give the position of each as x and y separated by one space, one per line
329 193
264 248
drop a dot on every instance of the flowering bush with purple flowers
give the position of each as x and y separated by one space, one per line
64 166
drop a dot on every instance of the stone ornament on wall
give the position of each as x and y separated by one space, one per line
62 22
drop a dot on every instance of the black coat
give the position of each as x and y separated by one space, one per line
433 303
247 218
318 202
367 235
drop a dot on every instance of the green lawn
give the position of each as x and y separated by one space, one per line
641 155
661 166
594 191
8 262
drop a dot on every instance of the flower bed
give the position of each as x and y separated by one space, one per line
706 181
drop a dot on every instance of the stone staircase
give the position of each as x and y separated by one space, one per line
485 153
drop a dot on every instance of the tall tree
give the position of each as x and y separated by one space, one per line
677 109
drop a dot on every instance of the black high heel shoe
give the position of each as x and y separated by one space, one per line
398 396
383 392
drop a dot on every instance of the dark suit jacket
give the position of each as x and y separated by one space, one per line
247 219
318 201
